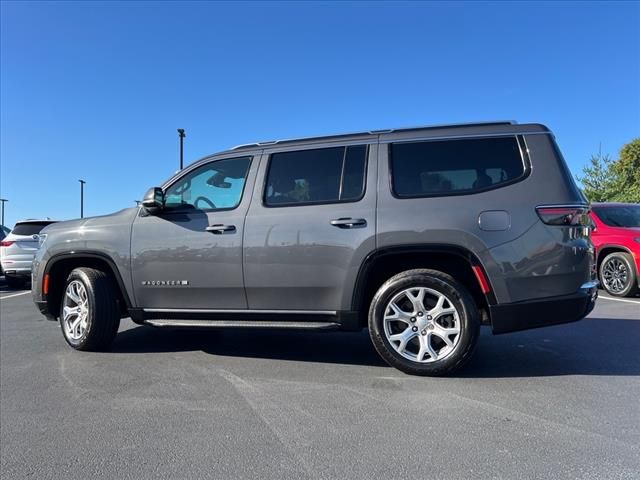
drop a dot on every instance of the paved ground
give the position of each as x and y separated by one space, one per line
560 402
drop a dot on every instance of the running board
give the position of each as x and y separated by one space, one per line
161 322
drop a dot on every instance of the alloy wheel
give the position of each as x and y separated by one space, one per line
75 311
615 275
422 325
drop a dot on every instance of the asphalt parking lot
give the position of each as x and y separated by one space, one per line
560 402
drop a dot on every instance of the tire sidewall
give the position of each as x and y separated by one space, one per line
632 273
82 277
461 301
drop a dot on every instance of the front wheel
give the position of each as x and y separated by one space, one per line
89 314
617 274
424 322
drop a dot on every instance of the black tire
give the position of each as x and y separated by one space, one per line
631 285
458 296
15 283
103 318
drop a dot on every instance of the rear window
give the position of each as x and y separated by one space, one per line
326 175
626 216
30 228
449 167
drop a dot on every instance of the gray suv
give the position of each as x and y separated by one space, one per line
422 235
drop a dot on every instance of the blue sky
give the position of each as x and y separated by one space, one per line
96 90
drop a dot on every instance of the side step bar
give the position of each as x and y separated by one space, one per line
161 322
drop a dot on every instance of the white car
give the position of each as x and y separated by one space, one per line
17 250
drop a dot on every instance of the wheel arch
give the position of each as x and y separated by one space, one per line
383 263
59 267
606 249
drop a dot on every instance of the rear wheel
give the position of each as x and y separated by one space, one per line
423 322
89 314
617 274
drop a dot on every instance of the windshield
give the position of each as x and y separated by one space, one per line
619 216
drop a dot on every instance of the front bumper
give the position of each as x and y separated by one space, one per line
512 317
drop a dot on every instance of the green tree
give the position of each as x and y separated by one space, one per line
597 182
608 180
626 173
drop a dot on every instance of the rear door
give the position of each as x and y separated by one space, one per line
310 226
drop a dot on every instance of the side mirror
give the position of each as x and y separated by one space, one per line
153 200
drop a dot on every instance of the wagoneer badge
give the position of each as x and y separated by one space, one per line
164 283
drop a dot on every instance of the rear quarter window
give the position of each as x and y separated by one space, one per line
30 228
453 167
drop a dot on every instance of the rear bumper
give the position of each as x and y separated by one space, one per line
11 271
512 317
15 262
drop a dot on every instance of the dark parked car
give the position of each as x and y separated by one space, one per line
422 235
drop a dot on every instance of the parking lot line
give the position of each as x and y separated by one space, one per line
14 295
619 300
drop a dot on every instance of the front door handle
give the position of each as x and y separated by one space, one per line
349 222
219 229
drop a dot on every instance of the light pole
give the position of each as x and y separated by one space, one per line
3 200
181 134
82 182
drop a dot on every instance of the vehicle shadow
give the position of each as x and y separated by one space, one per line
352 348
594 346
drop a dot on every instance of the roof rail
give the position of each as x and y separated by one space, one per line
377 132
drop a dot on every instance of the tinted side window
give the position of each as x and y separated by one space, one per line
454 166
30 228
625 216
316 176
215 186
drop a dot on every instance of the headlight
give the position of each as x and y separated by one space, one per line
637 239
41 239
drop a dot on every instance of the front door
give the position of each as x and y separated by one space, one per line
189 256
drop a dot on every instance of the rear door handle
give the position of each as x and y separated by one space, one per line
349 222
219 229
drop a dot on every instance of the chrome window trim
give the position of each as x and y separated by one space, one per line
455 137
378 132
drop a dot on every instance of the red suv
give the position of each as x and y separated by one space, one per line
616 235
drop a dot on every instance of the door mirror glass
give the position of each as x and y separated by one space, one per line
153 200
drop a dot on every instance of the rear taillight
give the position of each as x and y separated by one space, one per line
6 244
564 215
